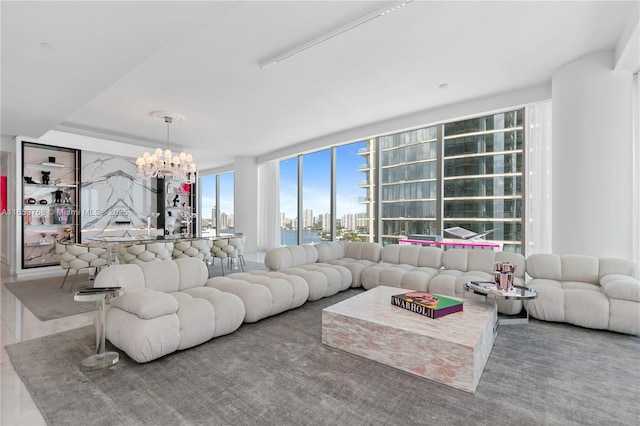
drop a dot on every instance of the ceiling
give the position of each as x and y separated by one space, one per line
105 66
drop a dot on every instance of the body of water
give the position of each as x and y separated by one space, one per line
290 238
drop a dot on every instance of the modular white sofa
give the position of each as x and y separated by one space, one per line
170 305
166 307
586 291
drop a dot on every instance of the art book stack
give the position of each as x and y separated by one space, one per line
427 304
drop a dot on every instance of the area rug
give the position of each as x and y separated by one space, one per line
277 372
44 298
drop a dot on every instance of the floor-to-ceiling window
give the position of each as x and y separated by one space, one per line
226 224
208 197
316 197
467 173
354 199
409 183
217 204
483 165
289 202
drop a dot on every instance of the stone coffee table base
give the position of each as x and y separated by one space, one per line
452 350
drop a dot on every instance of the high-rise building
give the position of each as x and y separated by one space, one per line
325 221
307 220
350 221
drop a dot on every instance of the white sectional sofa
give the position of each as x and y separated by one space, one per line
171 305
166 307
585 291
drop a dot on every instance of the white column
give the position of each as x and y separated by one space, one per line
592 158
245 210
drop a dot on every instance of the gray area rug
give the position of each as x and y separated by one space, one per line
44 298
277 372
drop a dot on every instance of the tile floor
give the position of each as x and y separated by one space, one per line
18 324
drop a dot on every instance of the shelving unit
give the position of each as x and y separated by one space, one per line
176 201
49 209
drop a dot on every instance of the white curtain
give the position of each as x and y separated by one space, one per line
268 205
636 169
538 226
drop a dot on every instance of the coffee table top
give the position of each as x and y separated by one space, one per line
375 306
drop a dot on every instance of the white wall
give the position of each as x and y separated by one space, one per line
7 168
593 158
245 210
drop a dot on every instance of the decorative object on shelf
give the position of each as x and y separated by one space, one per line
54 235
41 220
27 217
176 200
57 196
149 216
30 200
43 201
42 237
67 198
189 216
28 179
68 234
179 167
61 215
45 177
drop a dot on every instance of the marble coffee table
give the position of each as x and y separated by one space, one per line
451 350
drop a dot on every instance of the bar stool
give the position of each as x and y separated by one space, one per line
78 256
222 250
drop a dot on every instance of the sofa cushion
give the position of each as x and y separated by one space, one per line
330 250
456 260
192 272
123 275
161 275
549 305
580 268
363 251
621 287
481 261
625 267
545 266
197 319
263 293
290 256
146 303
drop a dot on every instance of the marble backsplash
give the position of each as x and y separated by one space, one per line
113 200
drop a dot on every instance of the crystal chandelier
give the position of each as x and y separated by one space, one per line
165 164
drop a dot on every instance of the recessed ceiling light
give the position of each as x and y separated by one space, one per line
444 86
46 45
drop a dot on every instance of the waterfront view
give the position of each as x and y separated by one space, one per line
289 237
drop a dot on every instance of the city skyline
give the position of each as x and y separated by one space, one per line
316 184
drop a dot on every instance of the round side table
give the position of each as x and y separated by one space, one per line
100 359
